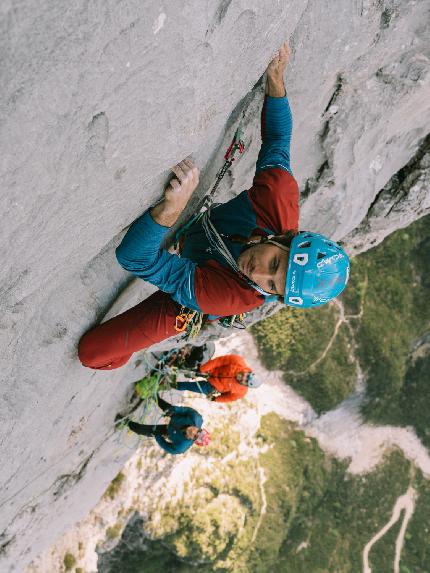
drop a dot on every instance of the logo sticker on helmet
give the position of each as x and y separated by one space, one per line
293 281
329 260
316 298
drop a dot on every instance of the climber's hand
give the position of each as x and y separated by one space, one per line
280 60
184 184
177 193
275 72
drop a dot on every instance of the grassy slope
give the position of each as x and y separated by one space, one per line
292 340
396 313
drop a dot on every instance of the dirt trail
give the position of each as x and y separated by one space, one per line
262 480
404 503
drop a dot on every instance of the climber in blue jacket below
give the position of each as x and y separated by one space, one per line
236 257
183 430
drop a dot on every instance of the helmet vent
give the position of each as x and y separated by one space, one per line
295 300
320 255
301 259
305 245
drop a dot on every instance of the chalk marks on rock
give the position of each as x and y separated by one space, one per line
98 135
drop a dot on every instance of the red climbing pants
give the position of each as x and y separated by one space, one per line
111 344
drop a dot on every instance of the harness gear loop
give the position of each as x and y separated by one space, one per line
184 319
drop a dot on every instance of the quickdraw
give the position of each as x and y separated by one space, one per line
190 322
183 319
237 144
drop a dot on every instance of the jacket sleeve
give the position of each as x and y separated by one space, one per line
274 197
141 254
169 447
276 128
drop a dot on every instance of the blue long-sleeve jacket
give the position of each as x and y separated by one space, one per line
181 418
200 279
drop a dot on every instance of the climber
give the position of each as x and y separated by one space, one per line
257 231
226 379
183 430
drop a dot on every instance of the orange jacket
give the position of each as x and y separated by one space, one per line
222 375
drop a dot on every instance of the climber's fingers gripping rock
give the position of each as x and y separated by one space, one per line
184 184
177 193
279 62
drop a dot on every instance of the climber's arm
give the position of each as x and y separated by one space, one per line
141 254
225 360
227 397
140 251
276 118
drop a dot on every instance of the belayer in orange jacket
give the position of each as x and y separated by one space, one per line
227 376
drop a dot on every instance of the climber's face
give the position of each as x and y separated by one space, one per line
191 432
265 264
242 378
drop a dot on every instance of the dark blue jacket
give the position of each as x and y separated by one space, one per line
181 418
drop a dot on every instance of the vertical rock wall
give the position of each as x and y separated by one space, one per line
98 100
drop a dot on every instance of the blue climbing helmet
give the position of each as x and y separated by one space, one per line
318 270
252 381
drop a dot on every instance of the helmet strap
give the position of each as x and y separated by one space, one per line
273 242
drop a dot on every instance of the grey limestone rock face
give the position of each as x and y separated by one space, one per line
98 101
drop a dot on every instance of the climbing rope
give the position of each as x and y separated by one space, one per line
190 322
237 145
147 388
217 243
